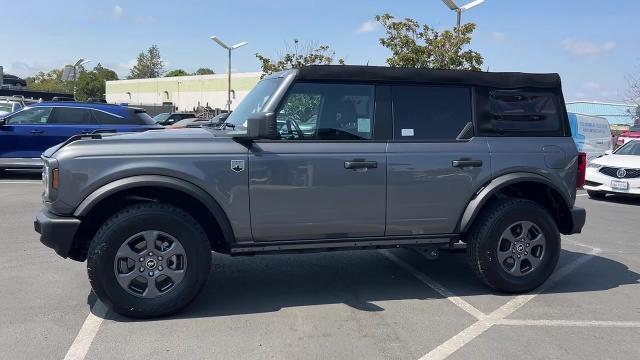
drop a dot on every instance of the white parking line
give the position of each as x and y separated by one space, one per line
582 194
575 323
87 333
21 182
485 322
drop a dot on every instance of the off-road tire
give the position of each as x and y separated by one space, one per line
484 235
134 219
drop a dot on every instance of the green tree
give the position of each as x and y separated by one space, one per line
49 81
298 56
91 84
176 72
204 71
149 64
421 46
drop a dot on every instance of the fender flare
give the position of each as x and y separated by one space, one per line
160 181
476 204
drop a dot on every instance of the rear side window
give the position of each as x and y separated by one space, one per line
141 117
524 112
72 116
104 118
432 113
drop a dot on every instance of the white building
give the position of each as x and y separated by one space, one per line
184 92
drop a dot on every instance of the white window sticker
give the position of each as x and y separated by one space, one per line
407 132
364 125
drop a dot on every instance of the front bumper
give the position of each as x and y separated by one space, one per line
56 232
578 218
597 181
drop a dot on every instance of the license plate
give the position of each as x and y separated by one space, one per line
619 185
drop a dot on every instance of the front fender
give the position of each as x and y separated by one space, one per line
158 181
476 204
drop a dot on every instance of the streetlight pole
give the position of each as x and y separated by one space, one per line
460 9
78 63
229 50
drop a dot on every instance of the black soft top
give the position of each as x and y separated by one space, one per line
504 80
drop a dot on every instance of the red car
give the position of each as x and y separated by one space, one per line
631 134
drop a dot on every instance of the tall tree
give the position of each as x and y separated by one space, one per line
204 71
149 64
91 84
176 72
297 56
418 45
50 81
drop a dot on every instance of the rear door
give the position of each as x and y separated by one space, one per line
326 177
435 164
69 121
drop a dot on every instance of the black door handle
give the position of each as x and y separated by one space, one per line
466 163
360 164
37 131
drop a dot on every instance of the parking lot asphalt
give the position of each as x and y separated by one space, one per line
390 304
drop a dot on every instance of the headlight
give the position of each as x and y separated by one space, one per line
45 181
50 180
594 166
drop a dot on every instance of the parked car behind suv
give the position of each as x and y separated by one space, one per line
25 134
388 157
166 119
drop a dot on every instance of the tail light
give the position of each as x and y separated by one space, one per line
582 170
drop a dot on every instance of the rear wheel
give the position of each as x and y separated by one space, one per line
149 260
596 194
514 245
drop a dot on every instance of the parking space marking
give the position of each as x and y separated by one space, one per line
78 350
472 310
498 316
582 194
575 323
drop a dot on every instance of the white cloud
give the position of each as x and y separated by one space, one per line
118 11
586 47
498 37
367 26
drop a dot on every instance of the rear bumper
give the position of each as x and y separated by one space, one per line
56 232
578 218
21 163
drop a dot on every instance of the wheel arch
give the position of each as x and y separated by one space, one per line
525 185
102 203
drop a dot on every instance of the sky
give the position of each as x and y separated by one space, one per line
593 44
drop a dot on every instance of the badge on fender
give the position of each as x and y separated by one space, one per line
237 165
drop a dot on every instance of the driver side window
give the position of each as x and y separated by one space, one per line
33 116
316 111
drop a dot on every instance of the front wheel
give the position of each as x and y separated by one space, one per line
514 245
149 260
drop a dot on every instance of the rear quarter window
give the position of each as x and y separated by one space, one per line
522 113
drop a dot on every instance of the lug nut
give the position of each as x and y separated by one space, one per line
527 245
141 259
526 253
150 253
160 258
141 269
518 256
160 268
150 273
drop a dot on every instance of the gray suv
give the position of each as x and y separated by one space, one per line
323 158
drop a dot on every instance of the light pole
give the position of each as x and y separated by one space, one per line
78 63
460 9
229 49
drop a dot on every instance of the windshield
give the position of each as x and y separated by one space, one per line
630 148
634 128
5 107
254 101
161 117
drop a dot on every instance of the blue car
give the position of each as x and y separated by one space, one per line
26 133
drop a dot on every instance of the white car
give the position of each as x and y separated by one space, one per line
615 173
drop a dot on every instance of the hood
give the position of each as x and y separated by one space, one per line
619 161
152 142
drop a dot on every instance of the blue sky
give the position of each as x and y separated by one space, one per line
593 44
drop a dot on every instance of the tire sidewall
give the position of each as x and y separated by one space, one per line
499 277
105 246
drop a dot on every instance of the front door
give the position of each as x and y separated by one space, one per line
435 164
24 132
326 177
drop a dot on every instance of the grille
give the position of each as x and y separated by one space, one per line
613 172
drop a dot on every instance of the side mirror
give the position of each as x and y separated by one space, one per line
261 126
3 121
608 152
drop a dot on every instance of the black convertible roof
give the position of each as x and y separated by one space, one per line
504 80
